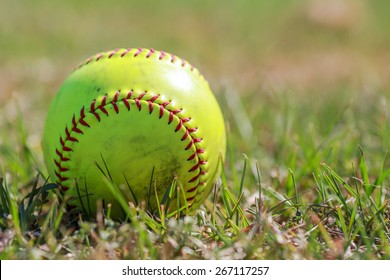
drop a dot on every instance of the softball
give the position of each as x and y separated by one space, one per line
142 119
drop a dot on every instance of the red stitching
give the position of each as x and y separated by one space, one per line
192 156
179 125
92 107
154 98
62 142
88 60
185 135
161 111
201 173
67 133
151 51
96 115
112 53
127 104
195 178
62 169
195 140
103 109
84 123
61 178
116 96
150 106
196 166
75 129
138 103
66 149
190 144
125 52
82 113
176 111
104 101
126 101
138 52
70 138
101 106
193 189
62 158
170 117
162 55
116 109
99 57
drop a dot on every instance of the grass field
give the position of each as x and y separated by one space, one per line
304 86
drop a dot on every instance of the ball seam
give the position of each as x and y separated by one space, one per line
140 53
78 124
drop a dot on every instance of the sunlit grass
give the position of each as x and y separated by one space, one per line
305 96
313 184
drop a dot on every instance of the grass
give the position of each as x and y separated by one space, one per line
315 193
307 169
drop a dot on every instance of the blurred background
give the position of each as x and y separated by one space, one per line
244 48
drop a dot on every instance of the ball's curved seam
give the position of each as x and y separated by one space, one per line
79 124
140 53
